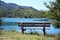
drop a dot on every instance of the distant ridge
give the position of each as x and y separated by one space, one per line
4 5
14 10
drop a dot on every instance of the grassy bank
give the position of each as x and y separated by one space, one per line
19 36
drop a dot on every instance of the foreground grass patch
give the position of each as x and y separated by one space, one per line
20 36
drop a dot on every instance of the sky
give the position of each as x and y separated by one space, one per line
37 4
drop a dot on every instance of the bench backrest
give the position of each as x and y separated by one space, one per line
34 24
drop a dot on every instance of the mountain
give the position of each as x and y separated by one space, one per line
14 10
4 5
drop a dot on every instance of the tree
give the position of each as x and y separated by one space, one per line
0 13
0 16
54 12
0 22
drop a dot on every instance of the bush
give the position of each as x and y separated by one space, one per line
58 38
50 35
1 27
11 31
1 33
35 33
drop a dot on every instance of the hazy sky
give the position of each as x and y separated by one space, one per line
37 4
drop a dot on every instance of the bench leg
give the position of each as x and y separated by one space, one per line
22 28
44 30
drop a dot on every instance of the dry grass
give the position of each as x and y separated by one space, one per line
20 36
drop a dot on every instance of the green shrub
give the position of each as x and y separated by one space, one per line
58 38
34 33
50 35
1 27
1 33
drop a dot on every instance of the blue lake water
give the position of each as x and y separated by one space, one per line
13 25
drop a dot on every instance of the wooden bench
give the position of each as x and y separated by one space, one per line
34 24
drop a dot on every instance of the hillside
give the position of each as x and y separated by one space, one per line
14 10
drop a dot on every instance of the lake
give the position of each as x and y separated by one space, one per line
12 24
